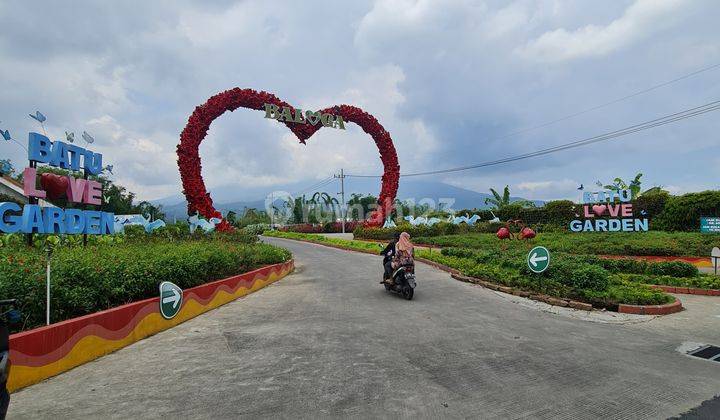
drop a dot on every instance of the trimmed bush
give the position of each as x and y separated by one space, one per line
672 268
684 212
86 280
256 229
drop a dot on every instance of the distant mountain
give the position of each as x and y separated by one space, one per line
227 198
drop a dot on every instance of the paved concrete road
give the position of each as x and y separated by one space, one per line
328 341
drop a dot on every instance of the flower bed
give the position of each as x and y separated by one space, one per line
105 275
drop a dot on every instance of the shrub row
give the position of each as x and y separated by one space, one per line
97 277
329 227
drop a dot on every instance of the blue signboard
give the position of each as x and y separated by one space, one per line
710 224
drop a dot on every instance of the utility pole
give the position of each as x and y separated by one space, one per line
342 196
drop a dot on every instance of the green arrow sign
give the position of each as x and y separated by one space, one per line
170 299
538 259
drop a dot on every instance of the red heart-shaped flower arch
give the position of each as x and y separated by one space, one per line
199 123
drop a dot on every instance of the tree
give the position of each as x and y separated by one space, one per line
328 201
150 211
500 202
360 206
618 185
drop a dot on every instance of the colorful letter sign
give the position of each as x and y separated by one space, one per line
608 211
33 218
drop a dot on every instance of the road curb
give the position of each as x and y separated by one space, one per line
686 290
669 308
550 300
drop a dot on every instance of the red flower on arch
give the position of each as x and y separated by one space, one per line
190 166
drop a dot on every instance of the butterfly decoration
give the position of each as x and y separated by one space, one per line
87 137
581 187
39 117
109 168
6 135
70 137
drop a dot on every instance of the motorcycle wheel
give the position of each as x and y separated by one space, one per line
408 292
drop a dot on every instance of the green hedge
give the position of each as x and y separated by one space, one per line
683 212
86 280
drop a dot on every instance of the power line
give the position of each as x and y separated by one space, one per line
667 119
316 186
603 105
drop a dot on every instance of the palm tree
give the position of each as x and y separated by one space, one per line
503 201
327 200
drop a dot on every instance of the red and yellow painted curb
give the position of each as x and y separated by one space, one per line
696 261
44 352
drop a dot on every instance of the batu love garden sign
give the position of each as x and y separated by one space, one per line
32 218
303 125
609 211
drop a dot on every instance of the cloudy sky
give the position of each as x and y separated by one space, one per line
449 79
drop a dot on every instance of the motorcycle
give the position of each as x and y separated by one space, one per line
403 279
11 316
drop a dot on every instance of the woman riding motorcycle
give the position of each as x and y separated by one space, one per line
397 253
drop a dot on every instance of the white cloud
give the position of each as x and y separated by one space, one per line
641 20
443 77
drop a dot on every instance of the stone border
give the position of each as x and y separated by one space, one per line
686 290
668 308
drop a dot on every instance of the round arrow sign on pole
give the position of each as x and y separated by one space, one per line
170 299
538 259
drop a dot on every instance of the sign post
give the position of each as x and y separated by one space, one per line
538 259
715 255
710 224
171 297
